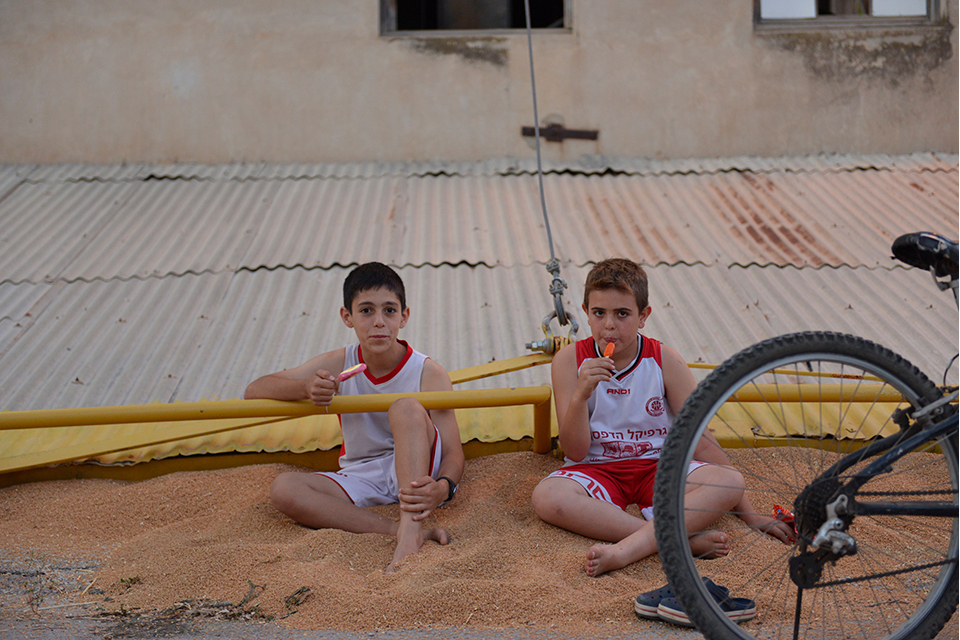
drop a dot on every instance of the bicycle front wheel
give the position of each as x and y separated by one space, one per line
785 411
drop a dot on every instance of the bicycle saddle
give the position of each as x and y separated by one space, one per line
928 251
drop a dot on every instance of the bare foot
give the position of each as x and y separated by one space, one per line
438 535
409 540
710 544
602 558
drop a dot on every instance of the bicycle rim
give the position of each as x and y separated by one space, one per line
785 411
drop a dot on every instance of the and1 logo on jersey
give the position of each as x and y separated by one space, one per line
656 407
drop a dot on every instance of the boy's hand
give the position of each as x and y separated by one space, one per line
593 372
770 526
423 496
321 388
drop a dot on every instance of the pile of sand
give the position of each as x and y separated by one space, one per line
213 536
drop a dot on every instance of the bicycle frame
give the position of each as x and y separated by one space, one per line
893 448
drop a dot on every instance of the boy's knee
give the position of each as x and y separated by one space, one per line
408 413
545 504
406 407
283 491
725 483
732 483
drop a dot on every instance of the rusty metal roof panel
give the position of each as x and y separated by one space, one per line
598 164
709 313
363 170
585 165
90 230
796 164
414 221
177 227
207 336
159 227
730 218
743 218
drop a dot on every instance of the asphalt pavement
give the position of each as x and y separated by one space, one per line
85 628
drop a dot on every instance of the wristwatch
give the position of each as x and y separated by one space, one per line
453 487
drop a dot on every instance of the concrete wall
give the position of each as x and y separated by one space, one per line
218 81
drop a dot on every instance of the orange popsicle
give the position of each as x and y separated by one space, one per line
608 350
352 371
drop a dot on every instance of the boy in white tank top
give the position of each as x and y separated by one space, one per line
613 415
407 455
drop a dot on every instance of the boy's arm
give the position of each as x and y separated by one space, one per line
314 380
679 383
571 393
427 494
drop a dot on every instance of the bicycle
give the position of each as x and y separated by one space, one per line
862 448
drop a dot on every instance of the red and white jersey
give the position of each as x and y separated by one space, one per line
368 435
629 416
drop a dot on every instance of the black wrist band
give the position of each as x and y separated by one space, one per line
453 487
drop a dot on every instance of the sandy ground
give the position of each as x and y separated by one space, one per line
150 559
209 543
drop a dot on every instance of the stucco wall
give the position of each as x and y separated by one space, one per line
219 81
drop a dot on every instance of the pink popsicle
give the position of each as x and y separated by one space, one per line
352 371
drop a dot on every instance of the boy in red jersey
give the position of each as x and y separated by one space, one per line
614 414
407 455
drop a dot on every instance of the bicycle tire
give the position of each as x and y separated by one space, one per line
915 603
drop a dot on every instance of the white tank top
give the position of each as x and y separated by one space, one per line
368 435
629 416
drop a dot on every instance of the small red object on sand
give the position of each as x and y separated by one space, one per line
352 371
608 350
784 515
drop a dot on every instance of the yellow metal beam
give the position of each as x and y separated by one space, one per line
231 409
201 415
827 393
498 367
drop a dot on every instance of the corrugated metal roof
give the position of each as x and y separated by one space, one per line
587 165
89 229
139 290
207 336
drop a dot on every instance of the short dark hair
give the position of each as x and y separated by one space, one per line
617 273
372 275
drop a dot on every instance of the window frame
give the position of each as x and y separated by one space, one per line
936 16
388 16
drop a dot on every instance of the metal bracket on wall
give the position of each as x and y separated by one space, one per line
558 133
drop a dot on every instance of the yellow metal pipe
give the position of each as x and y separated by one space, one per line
541 427
127 442
831 393
231 409
205 413
499 367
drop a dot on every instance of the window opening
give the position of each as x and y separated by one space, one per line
863 10
466 15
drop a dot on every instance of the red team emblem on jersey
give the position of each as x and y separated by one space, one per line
655 407
624 449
